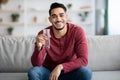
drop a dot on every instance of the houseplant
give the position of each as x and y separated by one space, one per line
15 17
10 30
69 6
83 15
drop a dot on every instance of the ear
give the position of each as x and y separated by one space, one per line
67 17
49 19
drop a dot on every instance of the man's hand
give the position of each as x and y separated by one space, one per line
56 72
40 40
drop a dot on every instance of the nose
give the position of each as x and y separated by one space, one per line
58 18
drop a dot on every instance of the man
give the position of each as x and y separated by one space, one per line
67 57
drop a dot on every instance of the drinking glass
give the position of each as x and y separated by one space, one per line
47 42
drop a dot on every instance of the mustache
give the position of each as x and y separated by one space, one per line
58 21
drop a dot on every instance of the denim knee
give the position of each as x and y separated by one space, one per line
33 70
38 73
33 73
85 73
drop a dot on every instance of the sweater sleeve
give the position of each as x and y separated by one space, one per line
37 57
81 50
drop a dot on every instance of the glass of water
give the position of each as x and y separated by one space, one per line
47 42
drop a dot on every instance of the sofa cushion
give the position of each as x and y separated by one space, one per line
98 75
104 52
15 53
106 75
13 76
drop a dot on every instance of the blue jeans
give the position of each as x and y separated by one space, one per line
42 73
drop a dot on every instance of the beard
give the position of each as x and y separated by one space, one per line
58 28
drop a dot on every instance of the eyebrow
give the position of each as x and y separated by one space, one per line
58 14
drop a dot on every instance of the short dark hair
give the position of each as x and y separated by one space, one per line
56 5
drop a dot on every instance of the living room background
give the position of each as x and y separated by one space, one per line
32 16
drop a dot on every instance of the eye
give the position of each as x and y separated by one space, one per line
53 16
62 15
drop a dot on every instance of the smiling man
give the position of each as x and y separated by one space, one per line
67 57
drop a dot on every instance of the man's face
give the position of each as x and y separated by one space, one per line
58 18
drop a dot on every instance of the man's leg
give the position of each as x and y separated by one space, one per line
83 73
38 73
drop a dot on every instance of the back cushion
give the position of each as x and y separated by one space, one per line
104 52
15 53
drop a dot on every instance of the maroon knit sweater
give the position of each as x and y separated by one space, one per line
71 50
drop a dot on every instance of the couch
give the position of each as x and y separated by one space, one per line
104 60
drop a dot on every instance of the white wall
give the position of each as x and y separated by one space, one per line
114 17
28 28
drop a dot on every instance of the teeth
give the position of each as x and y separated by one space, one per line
58 23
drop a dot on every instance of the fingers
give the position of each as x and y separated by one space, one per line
55 73
53 77
41 38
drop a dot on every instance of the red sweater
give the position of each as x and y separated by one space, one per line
71 50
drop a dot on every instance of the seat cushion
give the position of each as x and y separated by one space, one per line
104 53
98 75
106 75
15 53
13 76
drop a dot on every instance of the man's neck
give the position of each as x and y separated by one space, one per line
60 33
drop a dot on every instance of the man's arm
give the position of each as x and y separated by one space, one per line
56 72
39 52
81 50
